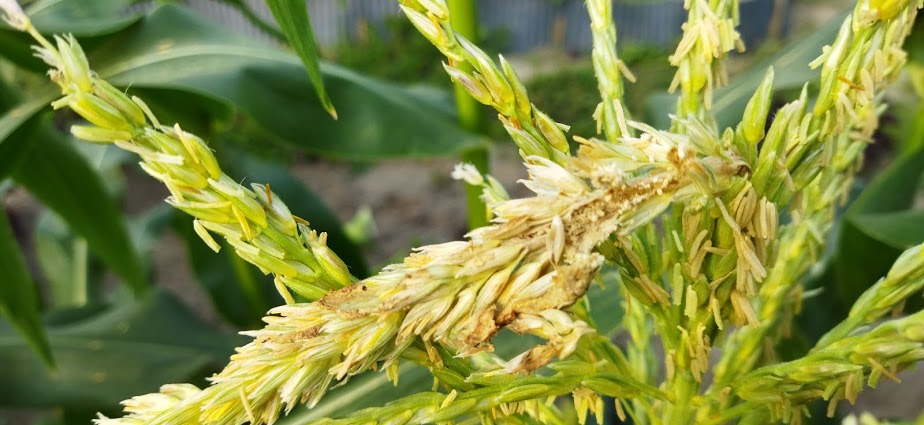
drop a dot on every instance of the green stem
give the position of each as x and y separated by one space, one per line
637 322
80 294
478 214
465 22
684 388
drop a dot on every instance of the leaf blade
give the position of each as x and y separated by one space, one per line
83 18
174 48
292 17
107 356
870 238
902 229
18 296
15 132
62 179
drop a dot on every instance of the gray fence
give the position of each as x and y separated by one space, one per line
529 23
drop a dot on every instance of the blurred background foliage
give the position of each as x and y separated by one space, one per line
84 327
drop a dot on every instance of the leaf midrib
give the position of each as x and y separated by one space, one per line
184 52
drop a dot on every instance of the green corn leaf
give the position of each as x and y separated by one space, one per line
17 126
173 56
110 354
16 117
19 303
867 239
74 275
879 226
292 16
55 173
894 189
605 300
901 229
83 18
88 19
173 48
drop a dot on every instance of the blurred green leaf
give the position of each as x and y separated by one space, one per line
83 18
292 16
15 117
19 303
902 229
176 49
434 97
174 53
879 226
13 151
15 47
55 173
914 43
58 317
17 126
75 416
606 302
823 306
75 276
126 350
146 228
791 72
303 203
91 20
10 153
894 189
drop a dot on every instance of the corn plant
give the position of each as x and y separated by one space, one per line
712 230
